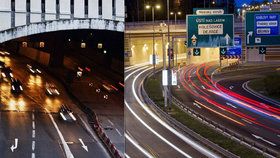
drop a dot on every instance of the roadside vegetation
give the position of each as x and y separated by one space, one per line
153 87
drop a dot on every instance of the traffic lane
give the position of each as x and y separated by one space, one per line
150 139
76 136
251 128
19 125
132 151
236 85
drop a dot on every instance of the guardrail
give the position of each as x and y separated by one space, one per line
182 127
267 152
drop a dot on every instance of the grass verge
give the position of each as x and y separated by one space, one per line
153 87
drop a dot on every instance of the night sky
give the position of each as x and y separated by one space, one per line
240 2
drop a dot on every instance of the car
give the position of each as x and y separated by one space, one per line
16 86
7 73
109 88
2 64
33 69
66 113
51 89
4 53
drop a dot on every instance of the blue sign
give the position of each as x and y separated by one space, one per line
234 51
237 41
267 24
231 52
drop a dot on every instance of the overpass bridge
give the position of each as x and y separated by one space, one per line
138 42
21 18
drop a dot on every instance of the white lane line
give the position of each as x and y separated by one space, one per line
247 121
146 153
33 133
88 129
33 124
134 72
118 132
65 146
33 116
195 104
125 154
33 145
111 122
195 145
155 133
229 104
33 155
261 138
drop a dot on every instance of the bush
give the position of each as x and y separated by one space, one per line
272 84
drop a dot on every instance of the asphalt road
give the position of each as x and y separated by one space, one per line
32 118
256 122
146 133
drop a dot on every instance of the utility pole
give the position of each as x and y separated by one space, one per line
169 55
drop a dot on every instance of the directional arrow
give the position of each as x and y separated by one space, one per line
262 50
194 39
13 147
227 37
248 36
83 145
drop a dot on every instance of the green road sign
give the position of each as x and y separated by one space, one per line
210 30
196 52
223 51
262 50
262 28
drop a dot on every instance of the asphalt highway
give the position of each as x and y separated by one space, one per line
30 122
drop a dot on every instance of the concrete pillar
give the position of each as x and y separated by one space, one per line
93 9
107 9
65 12
36 11
79 8
50 10
120 14
5 17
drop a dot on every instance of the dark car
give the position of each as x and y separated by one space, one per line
66 113
16 86
33 69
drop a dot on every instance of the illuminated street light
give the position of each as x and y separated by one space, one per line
153 16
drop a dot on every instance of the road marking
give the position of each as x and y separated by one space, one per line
125 154
33 145
13 147
33 117
195 145
33 133
118 132
229 104
231 87
261 138
138 146
195 104
33 124
33 155
247 121
65 146
203 87
83 145
278 136
111 122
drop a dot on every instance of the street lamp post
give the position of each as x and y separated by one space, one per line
169 55
177 13
153 16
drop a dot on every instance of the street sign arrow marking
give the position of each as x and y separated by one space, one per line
193 37
250 33
83 145
227 37
13 147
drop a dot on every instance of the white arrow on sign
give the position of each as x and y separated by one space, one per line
227 37
261 138
83 145
13 147
194 38
248 36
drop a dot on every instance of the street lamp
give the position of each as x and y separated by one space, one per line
153 7
176 13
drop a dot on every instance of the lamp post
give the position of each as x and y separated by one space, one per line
153 16
169 55
175 23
